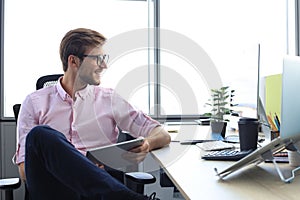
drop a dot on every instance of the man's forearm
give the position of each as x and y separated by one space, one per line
22 171
158 138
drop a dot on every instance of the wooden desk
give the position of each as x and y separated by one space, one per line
196 179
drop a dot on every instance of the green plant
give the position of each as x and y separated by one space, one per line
220 102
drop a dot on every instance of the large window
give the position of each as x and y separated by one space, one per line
227 33
167 70
33 30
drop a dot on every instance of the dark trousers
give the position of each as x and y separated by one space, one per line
56 170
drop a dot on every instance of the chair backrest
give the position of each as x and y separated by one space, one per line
16 109
47 80
43 81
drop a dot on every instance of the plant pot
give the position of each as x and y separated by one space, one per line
218 127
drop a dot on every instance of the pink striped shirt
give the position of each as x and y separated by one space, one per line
88 122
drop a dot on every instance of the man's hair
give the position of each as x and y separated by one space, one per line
77 41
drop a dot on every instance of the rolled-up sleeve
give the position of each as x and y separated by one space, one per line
26 121
131 119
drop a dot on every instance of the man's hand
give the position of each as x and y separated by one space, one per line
138 154
156 139
144 148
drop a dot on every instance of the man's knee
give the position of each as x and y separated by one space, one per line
39 128
44 133
39 131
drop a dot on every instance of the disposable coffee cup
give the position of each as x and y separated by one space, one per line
248 133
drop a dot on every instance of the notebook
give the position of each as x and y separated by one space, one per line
115 155
215 145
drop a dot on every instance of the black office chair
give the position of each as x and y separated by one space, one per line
9 185
133 180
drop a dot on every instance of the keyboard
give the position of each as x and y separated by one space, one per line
230 155
214 145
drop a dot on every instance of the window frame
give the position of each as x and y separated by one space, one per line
156 75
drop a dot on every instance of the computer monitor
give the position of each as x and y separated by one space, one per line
260 107
290 99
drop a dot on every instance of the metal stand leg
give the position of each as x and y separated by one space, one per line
269 155
286 180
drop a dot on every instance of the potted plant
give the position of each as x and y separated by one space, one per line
220 102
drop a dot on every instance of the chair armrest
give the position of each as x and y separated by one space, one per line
10 183
140 177
137 180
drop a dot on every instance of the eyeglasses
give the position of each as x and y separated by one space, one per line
100 58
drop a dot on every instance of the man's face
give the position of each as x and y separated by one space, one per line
92 66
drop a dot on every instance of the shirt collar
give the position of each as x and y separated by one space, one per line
81 93
62 93
85 92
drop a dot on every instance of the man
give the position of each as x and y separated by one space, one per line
58 122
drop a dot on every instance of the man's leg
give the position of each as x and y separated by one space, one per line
56 170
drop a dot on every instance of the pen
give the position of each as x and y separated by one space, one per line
277 119
277 123
194 141
273 127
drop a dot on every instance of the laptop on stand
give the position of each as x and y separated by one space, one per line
290 126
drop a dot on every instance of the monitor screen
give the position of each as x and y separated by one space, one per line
260 107
290 99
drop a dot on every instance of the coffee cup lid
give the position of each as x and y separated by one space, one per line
248 120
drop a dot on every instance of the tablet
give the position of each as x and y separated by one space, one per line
115 155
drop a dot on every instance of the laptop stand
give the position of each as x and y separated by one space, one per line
269 156
266 153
